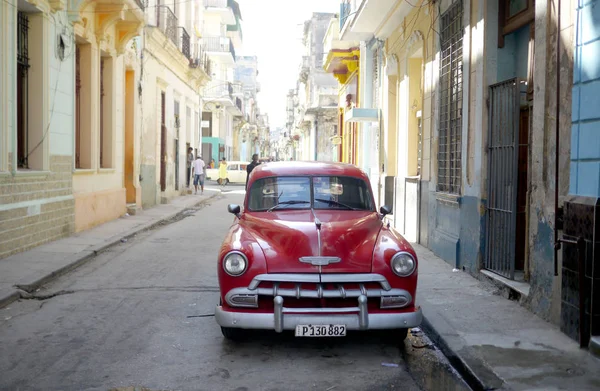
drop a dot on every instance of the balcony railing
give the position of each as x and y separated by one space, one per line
216 3
238 88
166 21
345 8
238 103
218 90
219 45
199 59
185 43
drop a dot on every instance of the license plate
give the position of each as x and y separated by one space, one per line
328 330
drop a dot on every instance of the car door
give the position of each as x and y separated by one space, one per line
232 172
243 167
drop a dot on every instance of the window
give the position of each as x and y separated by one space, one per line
288 192
323 192
334 192
83 106
106 111
233 167
22 90
450 124
77 107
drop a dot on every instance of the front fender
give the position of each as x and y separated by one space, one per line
240 240
389 242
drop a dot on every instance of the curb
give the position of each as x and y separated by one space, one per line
475 380
86 255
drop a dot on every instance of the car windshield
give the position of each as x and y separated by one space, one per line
294 192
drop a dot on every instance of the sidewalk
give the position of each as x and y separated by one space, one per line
31 269
494 342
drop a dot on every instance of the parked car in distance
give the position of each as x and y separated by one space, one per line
236 172
308 252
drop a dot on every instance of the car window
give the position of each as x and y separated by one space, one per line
243 167
232 167
268 192
336 192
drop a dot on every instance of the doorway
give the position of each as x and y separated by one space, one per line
129 137
506 234
163 144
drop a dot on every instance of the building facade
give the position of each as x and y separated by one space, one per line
175 67
315 117
220 35
37 104
105 109
488 152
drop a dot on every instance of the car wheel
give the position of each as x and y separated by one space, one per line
226 181
232 334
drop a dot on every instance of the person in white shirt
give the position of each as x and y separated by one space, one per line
198 170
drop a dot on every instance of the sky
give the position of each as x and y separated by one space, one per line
272 31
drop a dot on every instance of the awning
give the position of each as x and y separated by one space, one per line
358 114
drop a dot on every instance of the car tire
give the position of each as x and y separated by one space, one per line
236 335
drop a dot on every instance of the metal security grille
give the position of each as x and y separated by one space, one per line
450 143
503 159
77 107
102 113
22 89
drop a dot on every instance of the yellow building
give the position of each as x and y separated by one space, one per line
382 54
342 58
105 77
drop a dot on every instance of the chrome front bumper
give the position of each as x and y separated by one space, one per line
355 318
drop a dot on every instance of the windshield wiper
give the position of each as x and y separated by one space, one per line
332 202
291 202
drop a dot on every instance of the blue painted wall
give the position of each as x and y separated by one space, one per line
585 135
215 141
513 57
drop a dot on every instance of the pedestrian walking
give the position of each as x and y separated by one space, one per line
198 169
251 166
190 160
223 172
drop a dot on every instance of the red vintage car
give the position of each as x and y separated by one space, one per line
309 252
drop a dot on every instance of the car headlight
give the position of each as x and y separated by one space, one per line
235 263
403 264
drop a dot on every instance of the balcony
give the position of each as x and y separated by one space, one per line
219 47
223 8
374 18
238 89
199 59
340 57
166 21
185 43
219 92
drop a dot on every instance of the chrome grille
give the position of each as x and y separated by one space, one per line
321 286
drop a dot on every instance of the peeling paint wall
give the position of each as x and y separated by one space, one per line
544 298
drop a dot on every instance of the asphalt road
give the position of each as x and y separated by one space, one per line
140 315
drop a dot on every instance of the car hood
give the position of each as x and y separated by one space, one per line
286 236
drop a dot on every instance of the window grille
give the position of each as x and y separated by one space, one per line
102 112
450 124
22 89
77 107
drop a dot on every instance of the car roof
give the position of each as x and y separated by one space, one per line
306 168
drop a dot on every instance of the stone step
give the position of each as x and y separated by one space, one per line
132 209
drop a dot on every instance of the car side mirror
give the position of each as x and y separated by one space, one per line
385 210
234 209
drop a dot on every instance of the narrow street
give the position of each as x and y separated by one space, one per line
140 315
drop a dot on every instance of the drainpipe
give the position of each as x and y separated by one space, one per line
557 243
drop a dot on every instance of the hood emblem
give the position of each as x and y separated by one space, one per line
320 261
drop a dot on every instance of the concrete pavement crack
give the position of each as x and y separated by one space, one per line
29 296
